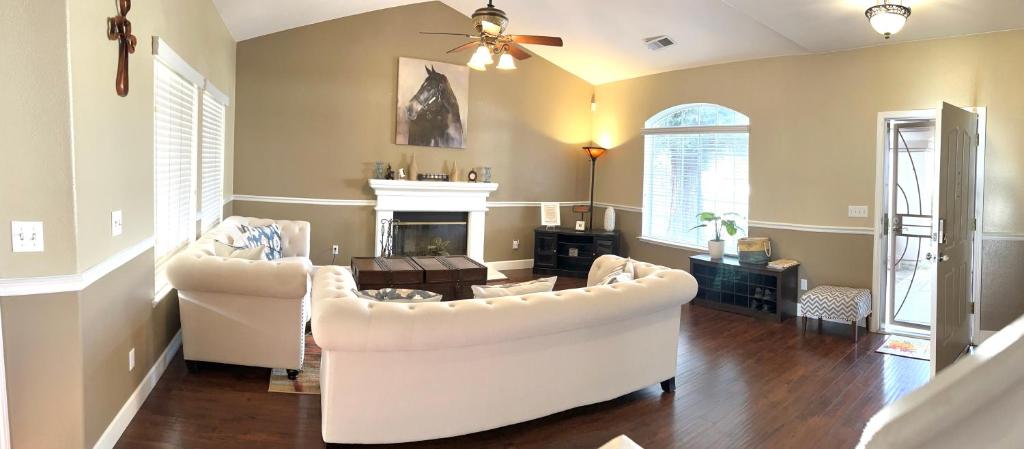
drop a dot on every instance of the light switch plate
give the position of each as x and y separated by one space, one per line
116 223
27 236
515 244
803 284
131 359
857 211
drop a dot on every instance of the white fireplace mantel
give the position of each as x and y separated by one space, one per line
435 196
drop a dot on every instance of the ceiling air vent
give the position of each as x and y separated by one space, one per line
658 42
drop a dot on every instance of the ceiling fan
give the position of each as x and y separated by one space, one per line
490 24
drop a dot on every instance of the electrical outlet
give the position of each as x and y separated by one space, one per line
131 359
116 223
857 211
27 236
515 244
334 250
803 284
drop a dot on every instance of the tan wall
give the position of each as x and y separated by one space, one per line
36 136
114 135
352 228
67 354
117 314
813 140
43 360
317 107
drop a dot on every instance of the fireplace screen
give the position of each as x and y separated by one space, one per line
430 233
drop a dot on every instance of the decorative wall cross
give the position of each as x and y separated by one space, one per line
120 29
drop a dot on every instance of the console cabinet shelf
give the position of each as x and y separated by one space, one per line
567 252
754 290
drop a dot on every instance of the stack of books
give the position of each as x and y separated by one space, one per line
782 264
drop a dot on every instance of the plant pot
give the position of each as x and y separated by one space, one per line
716 248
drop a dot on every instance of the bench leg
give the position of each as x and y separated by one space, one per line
820 322
803 321
668 385
192 366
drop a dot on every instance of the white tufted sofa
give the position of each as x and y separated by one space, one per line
395 372
244 312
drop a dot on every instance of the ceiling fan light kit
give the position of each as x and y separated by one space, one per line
887 18
491 41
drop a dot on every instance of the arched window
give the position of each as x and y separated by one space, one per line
695 160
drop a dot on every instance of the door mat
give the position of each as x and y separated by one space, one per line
915 348
308 381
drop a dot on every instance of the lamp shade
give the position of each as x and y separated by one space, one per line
594 152
506 62
481 58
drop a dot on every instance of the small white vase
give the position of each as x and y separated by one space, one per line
609 219
716 248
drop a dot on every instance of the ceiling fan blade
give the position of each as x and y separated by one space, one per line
517 52
538 40
465 46
448 34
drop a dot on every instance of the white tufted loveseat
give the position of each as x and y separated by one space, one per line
395 372
244 312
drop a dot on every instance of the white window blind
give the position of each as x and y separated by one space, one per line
695 160
175 109
212 154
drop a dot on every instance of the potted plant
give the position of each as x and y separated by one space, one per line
726 221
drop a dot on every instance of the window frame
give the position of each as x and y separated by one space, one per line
166 56
648 130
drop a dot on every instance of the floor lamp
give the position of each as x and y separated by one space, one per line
594 153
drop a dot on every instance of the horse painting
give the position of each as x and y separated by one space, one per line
432 116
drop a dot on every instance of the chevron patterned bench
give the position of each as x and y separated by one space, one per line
836 303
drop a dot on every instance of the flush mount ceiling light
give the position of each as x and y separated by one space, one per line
888 18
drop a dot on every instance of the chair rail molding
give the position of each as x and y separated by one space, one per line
73 282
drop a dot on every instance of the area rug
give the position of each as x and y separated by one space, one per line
308 381
915 348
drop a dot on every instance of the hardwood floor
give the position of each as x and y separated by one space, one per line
742 383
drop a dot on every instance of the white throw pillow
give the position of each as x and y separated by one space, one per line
626 266
519 288
622 273
222 249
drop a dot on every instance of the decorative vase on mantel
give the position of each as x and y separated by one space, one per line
454 175
413 168
716 248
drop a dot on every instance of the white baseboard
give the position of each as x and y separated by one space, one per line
134 403
520 264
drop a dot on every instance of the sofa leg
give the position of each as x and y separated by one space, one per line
293 374
668 385
192 365
309 327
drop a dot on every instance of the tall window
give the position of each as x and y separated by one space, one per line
188 166
695 160
212 209
174 130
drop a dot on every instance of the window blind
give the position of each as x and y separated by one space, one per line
689 171
174 117
212 154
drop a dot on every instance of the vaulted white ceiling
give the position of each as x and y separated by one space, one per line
604 38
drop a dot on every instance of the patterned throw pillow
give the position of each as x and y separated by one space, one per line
398 295
222 249
520 288
622 273
268 236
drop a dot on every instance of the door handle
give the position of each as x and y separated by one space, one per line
928 256
941 258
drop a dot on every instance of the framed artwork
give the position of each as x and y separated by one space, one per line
550 215
433 103
581 225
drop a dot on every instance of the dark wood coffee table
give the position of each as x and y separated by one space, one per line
451 276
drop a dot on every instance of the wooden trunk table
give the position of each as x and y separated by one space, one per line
451 276
375 273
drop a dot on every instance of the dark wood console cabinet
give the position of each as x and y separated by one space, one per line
754 290
567 252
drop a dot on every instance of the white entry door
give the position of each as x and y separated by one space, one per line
956 137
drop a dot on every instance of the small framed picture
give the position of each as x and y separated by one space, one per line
550 214
581 225
574 252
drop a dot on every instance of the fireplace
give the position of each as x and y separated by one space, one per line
430 233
